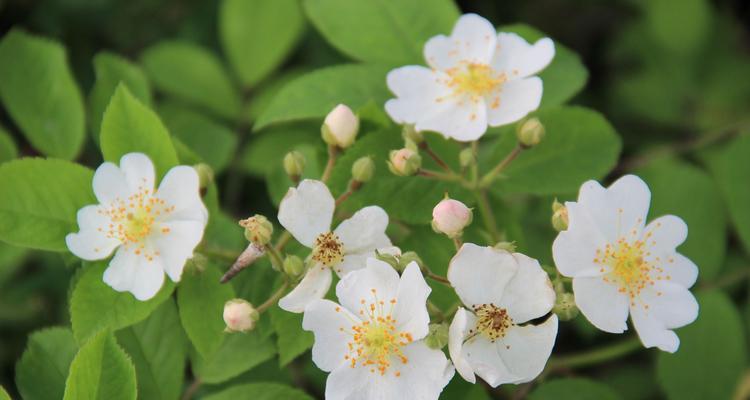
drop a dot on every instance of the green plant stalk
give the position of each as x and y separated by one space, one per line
596 356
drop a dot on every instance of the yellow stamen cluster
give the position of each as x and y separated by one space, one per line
328 249
475 80
492 321
376 344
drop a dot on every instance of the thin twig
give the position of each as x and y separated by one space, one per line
489 177
332 153
426 147
192 389
274 298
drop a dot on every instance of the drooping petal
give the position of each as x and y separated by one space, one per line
659 309
91 243
574 249
423 377
526 349
180 189
529 294
472 40
312 287
364 231
175 242
601 303
110 184
130 272
664 234
418 90
484 358
459 329
138 170
372 284
410 311
307 211
330 323
620 210
480 274
513 100
519 59
458 118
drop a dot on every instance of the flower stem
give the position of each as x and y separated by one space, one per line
449 177
438 278
332 153
488 217
489 177
192 389
275 256
282 240
595 356
426 147
274 298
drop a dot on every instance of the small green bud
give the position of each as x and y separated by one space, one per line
404 162
407 258
410 134
510 247
294 164
205 174
258 229
389 258
466 157
293 266
363 169
560 218
565 306
530 132
340 127
437 336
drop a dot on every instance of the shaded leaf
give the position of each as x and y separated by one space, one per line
43 368
101 370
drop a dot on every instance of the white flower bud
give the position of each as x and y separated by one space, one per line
340 127
404 162
240 316
450 217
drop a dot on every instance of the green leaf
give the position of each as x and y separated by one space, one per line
580 144
101 370
11 260
201 299
265 151
291 339
238 353
260 391
386 31
158 348
314 95
129 126
680 32
573 389
193 74
4 394
43 368
245 27
94 306
8 148
564 77
111 70
672 183
212 141
40 94
731 167
39 201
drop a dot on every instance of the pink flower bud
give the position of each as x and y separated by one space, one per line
450 217
404 162
239 315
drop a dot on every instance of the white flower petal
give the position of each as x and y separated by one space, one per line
180 189
459 329
138 170
484 358
526 349
529 294
364 231
574 249
377 282
418 90
472 41
518 58
312 287
679 269
664 234
128 272
331 324
480 274
109 183
620 210
659 309
601 303
462 119
176 246
411 303
422 378
514 100
91 243
352 262
307 211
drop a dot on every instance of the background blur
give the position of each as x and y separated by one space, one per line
673 77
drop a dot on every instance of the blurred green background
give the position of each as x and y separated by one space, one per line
673 77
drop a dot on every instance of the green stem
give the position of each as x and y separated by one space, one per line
489 177
595 356
273 299
426 147
488 217
282 240
276 259
448 177
332 153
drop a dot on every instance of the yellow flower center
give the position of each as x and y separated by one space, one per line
328 249
474 79
376 344
492 321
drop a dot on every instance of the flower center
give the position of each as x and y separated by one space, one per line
328 249
376 343
492 321
474 79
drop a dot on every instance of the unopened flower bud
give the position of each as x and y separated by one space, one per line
404 162
510 247
565 306
340 127
450 217
410 134
294 164
205 175
363 169
408 258
240 316
466 157
293 266
258 229
559 216
437 336
530 132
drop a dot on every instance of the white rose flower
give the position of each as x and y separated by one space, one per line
371 341
307 213
494 338
622 266
476 77
154 231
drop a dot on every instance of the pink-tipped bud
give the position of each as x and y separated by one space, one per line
340 127
240 316
404 162
450 217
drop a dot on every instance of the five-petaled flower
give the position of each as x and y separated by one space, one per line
154 231
476 78
307 212
620 265
371 341
495 338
